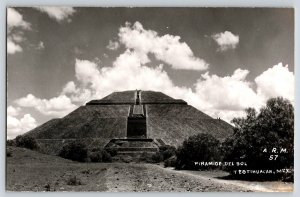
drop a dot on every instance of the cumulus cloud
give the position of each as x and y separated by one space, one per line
276 81
13 47
15 19
167 48
17 126
218 96
127 72
58 13
15 22
13 111
56 106
113 45
229 92
226 40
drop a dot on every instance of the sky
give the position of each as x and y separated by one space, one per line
219 60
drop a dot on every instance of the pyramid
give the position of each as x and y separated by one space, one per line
131 120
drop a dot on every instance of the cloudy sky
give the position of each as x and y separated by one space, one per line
218 60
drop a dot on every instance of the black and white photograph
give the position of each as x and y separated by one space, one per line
149 99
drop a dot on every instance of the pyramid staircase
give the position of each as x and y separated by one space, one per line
136 142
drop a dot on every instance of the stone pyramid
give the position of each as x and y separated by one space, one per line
130 120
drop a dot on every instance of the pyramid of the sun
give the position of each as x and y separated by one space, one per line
129 115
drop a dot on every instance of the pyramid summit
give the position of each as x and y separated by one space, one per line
129 116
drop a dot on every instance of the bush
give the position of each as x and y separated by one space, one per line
197 148
26 142
73 181
106 157
156 158
167 151
272 127
95 157
10 143
170 162
8 154
100 155
112 151
75 151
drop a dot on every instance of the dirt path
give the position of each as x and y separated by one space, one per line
148 177
267 186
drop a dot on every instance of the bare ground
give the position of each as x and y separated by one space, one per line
32 171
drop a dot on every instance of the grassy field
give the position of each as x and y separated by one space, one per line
31 171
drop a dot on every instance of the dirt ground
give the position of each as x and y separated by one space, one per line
32 171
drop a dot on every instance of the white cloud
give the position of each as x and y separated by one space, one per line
229 92
276 81
13 47
15 21
58 13
17 126
167 48
127 73
13 111
226 40
40 46
70 87
56 106
113 45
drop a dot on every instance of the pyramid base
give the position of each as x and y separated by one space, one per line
134 149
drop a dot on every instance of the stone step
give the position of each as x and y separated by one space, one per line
161 142
143 149
134 153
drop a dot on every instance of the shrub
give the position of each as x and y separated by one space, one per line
100 155
8 154
156 158
197 148
112 151
26 142
75 151
73 181
95 157
106 157
170 162
10 143
272 127
167 151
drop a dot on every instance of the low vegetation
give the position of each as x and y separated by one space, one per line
73 180
75 151
78 151
26 142
197 148
100 155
